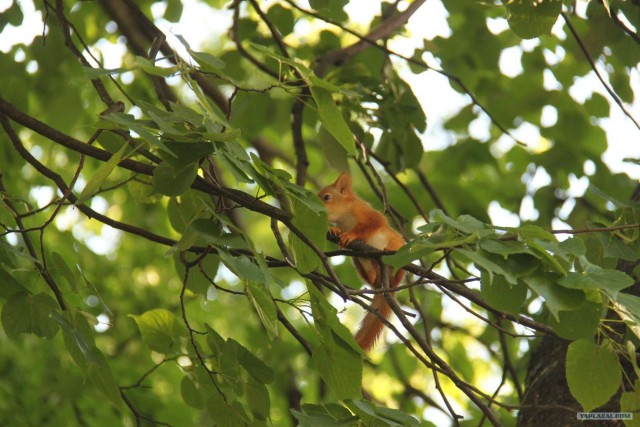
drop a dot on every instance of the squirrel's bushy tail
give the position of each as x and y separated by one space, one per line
371 326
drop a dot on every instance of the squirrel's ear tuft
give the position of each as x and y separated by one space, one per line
344 182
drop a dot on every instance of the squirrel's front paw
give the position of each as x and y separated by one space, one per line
335 231
346 238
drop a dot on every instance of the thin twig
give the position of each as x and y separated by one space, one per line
606 86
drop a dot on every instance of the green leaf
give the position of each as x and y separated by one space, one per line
408 253
332 119
99 372
201 275
630 402
597 105
421 247
615 248
631 353
340 368
531 18
8 285
464 223
501 295
628 308
612 281
504 248
243 267
105 169
211 231
331 8
530 232
190 393
188 115
327 322
520 265
556 297
172 181
460 362
207 61
66 272
369 413
282 18
281 180
581 323
78 336
257 399
592 189
337 357
306 259
140 127
251 363
335 154
79 340
24 313
173 10
216 343
324 415
488 263
262 302
160 330
12 15
226 412
541 248
573 246
184 209
230 135
593 373
150 67
238 162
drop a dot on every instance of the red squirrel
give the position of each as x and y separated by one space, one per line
355 219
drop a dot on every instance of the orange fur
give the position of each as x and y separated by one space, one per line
354 219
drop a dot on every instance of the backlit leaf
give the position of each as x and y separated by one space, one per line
593 373
160 330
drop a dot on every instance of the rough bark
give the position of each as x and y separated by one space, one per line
547 400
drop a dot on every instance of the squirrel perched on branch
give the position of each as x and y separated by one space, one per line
355 219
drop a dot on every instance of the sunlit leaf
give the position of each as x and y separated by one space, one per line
160 330
593 373
532 18
332 119
105 169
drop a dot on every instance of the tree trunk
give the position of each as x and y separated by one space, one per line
547 400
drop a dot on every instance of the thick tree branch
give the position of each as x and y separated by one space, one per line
199 184
381 32
454 286
322 66
141 33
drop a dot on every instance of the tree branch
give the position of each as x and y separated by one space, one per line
382 31
452 285
199 184
606 86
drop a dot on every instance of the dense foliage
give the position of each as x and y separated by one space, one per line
164 259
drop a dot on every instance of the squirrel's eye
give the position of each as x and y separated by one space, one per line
326 197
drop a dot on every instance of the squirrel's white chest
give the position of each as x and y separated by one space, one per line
378 240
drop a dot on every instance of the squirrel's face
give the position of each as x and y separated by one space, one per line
337 197
329 199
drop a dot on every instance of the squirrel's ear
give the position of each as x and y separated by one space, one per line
344 182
